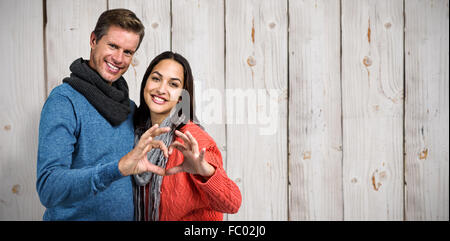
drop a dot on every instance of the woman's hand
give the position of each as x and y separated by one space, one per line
194 161
136 161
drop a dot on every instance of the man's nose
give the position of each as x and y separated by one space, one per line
118 57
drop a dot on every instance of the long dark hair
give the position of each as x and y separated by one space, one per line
142 113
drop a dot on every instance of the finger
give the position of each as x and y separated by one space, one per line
194 142
161 146
147 148
184 138
202 154
174 170
149 132
181 147
155 169
160 131
147 140
178 146
143 142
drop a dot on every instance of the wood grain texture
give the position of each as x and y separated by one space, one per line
426 110
68 29
256 62
198 35
315 140
358 149
21 98
155 15
372 101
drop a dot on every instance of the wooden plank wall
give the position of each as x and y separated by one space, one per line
315 130
372 109
256 59
323 109
426 110
21 99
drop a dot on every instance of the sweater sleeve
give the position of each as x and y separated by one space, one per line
222 193
57 183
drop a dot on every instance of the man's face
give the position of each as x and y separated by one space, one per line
112 54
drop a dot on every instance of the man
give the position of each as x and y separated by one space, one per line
86 132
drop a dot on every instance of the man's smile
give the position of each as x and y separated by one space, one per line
112 68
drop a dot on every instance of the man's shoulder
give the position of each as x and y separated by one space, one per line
64 97
133 105
66 94
63 90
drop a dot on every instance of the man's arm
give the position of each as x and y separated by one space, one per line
57 183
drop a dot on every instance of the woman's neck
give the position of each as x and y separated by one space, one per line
157 118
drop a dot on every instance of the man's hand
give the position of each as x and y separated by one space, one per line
136 161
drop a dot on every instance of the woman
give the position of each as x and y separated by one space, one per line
195 185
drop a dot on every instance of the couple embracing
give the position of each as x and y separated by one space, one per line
100 157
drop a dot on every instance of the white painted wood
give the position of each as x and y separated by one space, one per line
255 61
68 29
155 15
22 95
315 138
372 101
256 64
199 35
426 110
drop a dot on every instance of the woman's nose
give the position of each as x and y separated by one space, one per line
162 88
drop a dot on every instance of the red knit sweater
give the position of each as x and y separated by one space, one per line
191 197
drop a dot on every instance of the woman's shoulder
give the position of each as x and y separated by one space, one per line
202 137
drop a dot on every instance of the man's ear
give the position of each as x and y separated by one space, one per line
93 40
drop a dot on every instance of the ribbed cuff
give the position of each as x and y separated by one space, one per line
212 184
105 175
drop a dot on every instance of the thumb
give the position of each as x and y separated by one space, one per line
150 167
202 154
174 170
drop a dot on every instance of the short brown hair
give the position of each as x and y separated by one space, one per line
120 17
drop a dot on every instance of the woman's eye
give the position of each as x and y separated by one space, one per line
155 79
175 85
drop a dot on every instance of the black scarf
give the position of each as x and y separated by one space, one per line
111 101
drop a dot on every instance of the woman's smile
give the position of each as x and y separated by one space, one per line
158 99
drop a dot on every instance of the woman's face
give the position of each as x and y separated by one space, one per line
163 88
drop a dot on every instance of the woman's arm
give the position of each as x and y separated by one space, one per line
207 171
222 193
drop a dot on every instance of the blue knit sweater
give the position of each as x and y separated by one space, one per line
78 154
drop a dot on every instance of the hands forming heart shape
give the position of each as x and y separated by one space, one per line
136 161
